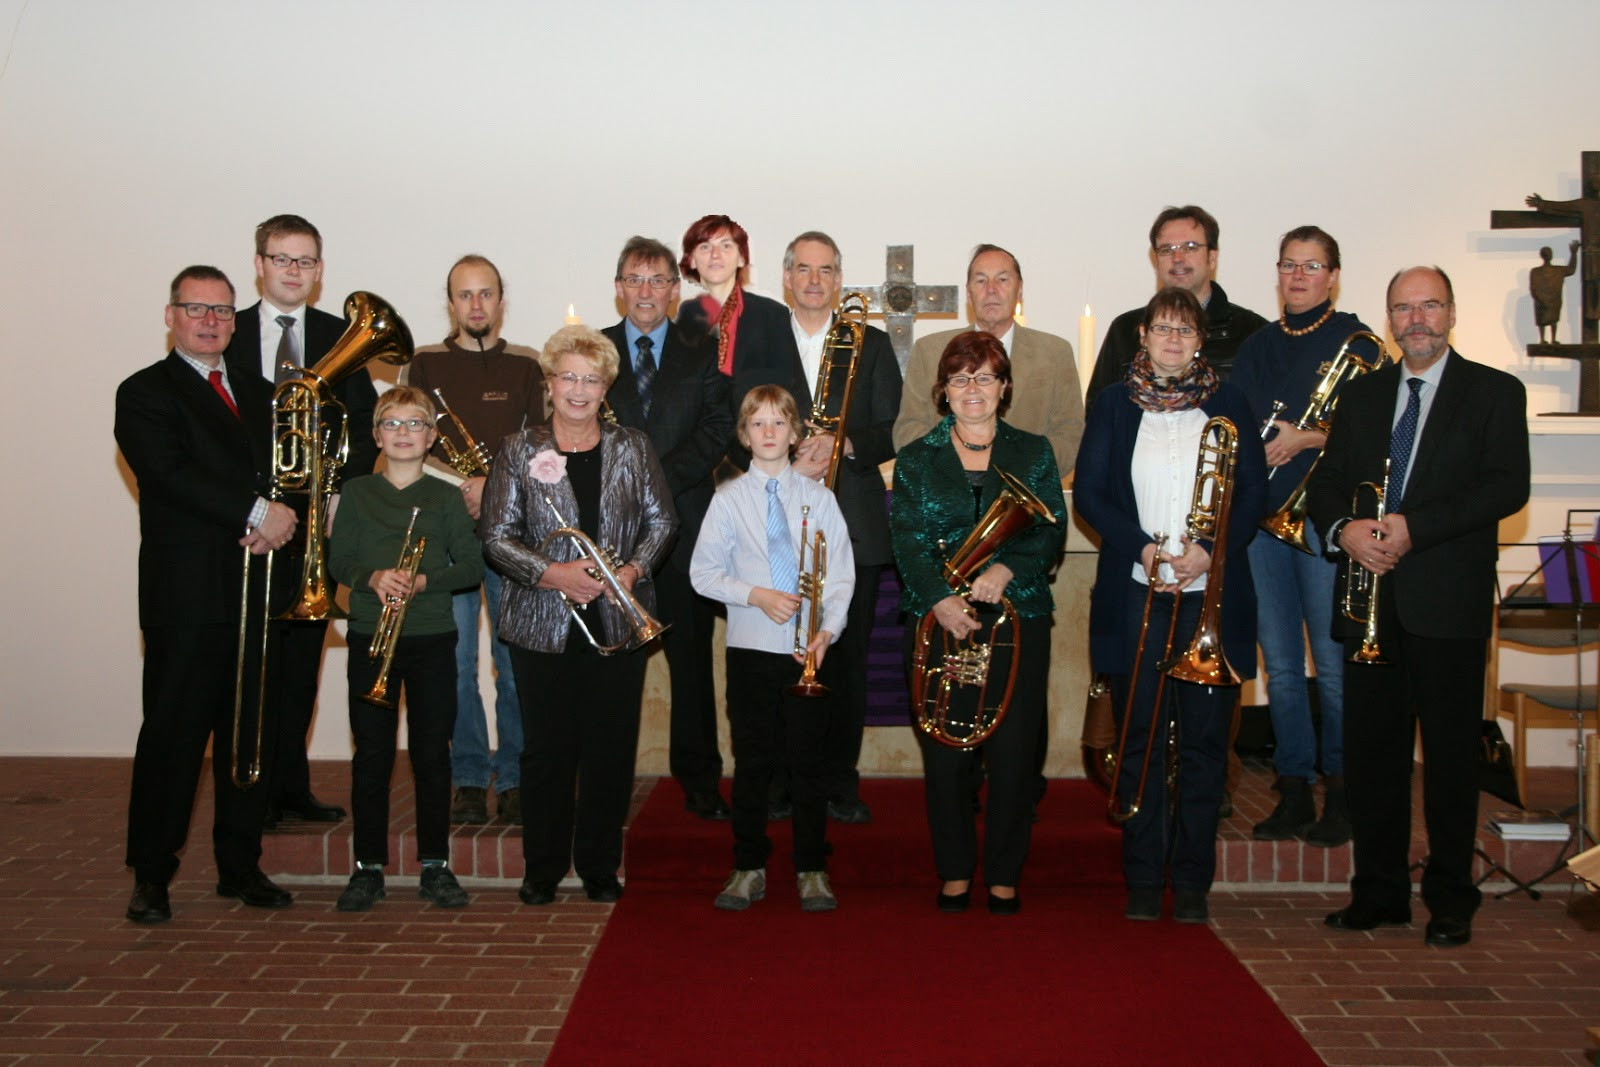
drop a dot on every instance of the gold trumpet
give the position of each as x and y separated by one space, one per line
310 442
845 338
1288 523
811 583
1360 602
1203 662
603 567
941 676
393 617
471 460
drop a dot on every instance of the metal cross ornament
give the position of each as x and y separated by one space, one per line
900 300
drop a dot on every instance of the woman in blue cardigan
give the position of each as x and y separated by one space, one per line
943 482
1135 478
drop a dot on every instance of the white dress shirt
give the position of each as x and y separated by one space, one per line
1165 455
272 331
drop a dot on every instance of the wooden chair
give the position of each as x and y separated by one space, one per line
1544 630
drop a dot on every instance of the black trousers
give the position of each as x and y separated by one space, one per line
580 735
1012 760
188 701
1175 831
1436 683
295 668
846 677
692 754
770 725
425 671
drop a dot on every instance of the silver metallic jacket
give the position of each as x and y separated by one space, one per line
636 520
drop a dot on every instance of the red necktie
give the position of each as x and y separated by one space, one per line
216 383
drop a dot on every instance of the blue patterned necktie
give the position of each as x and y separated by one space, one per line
644 371
780 549
1400 445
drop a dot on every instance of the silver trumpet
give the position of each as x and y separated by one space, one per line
603 567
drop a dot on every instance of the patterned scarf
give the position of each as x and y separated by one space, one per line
727 327
1189 389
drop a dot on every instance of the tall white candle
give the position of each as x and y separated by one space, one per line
1085 347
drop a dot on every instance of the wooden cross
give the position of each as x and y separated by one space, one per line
900 300
1584 213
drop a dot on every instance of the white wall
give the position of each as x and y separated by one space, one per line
137 138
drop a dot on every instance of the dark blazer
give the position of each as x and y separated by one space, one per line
355 392
764 353
199 469
1470 471
689 426
1102 492
874 405
933 502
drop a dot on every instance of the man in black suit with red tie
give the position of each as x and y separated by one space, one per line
669 387
195 437
813 275
283 328
1455 434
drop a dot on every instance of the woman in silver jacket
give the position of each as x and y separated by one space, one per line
580 709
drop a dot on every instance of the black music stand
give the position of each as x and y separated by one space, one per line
1524 596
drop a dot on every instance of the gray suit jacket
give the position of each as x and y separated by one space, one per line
1045 397
636 520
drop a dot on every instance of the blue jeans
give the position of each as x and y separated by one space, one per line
1294 602
470 764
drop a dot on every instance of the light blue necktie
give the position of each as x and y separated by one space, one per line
1400 445
780 549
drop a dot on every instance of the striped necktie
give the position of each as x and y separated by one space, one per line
780 549
1401 443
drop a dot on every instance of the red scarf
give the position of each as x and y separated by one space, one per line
727 317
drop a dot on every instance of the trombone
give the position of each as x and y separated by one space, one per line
603 567
844 340
393 617
1360 602
811 583
308 448
1288 523
1203 662
471 460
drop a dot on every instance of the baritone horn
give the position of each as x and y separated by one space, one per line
393 617
1361 585
844 340
310 442
1203 662
471 459
951 680
603 567
1288 523
811 583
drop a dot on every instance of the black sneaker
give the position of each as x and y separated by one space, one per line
1295 814
439 885
364 890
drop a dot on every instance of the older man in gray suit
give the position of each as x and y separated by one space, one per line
1045 397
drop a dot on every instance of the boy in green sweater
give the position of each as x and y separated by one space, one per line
375 513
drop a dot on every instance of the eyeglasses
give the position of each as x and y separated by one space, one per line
414 425
1308 268
1427 307
1188 248
591 380
223 312
961 381
655 281
282 261
1161 329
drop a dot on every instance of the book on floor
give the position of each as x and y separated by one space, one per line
1536 825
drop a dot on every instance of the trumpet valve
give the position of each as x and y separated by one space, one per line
968 665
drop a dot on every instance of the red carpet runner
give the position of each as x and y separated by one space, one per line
888 979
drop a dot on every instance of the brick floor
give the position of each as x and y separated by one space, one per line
491 983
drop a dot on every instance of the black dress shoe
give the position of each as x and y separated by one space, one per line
954 902
309 809
149 903
1004 905
1367 917
849 810
532 892
1447 932
707 804
254 890
603 890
